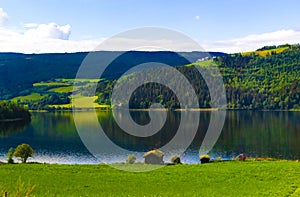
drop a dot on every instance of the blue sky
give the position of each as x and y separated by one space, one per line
217 25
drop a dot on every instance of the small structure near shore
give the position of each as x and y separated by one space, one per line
242 157
204 159
154 157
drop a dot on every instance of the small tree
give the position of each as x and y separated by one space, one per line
10 155
24 151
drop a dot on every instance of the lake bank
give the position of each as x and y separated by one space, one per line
249 178
11 120
54 136
163 109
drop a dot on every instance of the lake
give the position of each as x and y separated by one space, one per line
55 139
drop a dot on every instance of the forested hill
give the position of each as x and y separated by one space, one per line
265 79
19 71
268 78
12 112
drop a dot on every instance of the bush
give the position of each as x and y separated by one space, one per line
24 151
130 159
175 159
10 155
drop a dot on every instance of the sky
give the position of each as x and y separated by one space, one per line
80 25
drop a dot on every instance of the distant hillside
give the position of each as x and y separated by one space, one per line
253 81
19 71
263 81
266 79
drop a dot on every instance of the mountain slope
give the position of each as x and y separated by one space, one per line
19 71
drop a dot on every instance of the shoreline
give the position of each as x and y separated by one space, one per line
11 120
155 109
258 159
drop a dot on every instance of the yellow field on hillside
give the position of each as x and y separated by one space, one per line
82 102
265 52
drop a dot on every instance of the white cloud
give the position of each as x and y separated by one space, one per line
3 16
50 38
51 30
30 25
46 42
253 42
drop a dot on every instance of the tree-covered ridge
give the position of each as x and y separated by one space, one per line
267 79
256 82
20 71
252 82
13 111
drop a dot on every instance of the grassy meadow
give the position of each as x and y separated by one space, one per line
249 178
83 102
29 97
63 86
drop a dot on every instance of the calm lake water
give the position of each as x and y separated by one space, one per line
55 139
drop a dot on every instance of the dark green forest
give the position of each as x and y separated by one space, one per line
13 111
19 71
266 79
251 81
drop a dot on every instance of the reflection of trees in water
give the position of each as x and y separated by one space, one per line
258 134
12 127
130 142
54 124
261 134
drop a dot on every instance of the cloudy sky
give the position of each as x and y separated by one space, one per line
80 25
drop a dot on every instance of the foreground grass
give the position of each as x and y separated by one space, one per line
250 178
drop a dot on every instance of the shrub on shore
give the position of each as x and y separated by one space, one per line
130 159
10 155
175 159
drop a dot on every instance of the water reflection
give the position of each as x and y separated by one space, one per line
12 127
55 139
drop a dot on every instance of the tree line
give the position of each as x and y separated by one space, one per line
13 111
252 82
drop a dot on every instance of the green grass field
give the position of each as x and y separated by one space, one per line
81 80
64 86
204 63
50 84
250 178
65 89
30 97
83 102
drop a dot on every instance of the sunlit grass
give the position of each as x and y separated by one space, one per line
81 80
82 102
49 84
30 97
204 63
230 178
65 89
265 52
